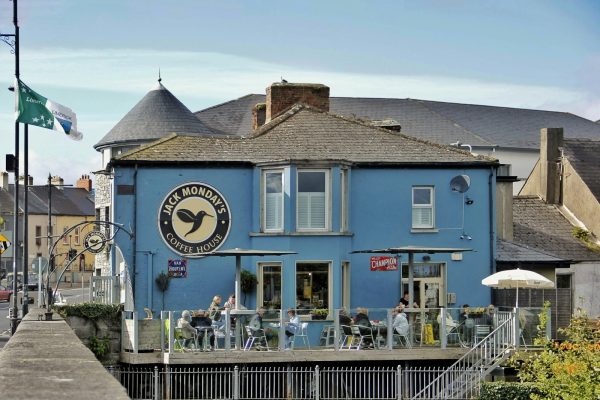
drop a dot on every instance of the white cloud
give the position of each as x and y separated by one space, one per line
203 79
215 77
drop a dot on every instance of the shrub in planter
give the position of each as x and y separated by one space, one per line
508 390
319 313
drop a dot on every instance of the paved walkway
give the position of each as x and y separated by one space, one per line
45 359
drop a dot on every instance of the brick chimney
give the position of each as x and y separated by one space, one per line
84 183
283 95
57 180
259 113
504 202
4 180
551 142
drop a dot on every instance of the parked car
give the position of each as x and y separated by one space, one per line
5 293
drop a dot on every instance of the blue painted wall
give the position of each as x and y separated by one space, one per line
380 215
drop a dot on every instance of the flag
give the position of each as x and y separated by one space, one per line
35 109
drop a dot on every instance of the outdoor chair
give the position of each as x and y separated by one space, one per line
179 342
347 341
480 332
363 335
302 333
256 338
402 336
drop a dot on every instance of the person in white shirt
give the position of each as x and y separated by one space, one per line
291 327
400 323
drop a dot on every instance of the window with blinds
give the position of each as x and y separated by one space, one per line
312 199
273 201
422 207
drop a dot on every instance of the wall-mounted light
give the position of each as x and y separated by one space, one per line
426 258
464 236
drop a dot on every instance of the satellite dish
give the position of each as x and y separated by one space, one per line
460 183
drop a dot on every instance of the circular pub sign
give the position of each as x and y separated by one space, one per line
194 218
94 241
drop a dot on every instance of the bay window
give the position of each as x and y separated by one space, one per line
312 200
273 201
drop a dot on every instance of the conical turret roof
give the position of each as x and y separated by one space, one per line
157 114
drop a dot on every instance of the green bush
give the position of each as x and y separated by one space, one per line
99 346
91 311
508 391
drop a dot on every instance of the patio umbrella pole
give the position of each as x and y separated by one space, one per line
238 279
411 294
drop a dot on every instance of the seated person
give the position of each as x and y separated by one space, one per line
362 317
450 322
405 300
203 325
214 310
291 327
400 322
187 330
256 326
467 324
344 318
489 317
364 324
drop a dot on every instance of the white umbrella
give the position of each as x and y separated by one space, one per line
518 278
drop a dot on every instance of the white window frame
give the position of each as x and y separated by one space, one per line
327 226
344 192
259 291
264 200
430 206
329 283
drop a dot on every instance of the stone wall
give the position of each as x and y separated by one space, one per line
45 360
85 329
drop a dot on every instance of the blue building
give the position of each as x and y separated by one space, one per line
314 183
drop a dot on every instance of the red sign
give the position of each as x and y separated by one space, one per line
384 263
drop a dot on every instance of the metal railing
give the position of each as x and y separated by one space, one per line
279 383
462 379
104 289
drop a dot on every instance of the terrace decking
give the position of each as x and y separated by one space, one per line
294 356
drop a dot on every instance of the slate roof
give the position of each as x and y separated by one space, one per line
156 115
303 133
507 251
70 201
584 156
542 227
7 202
440 122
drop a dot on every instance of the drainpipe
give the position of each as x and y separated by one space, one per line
149 254
135 172
491 214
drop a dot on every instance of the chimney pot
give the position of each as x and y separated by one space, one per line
283 95
84 183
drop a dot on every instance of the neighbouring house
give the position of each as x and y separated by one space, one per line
509 134
70 206
311 182
557 212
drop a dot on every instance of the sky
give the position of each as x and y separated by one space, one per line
100 57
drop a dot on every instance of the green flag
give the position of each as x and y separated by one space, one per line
35 109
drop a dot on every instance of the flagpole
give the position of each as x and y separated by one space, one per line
14 310
25 306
